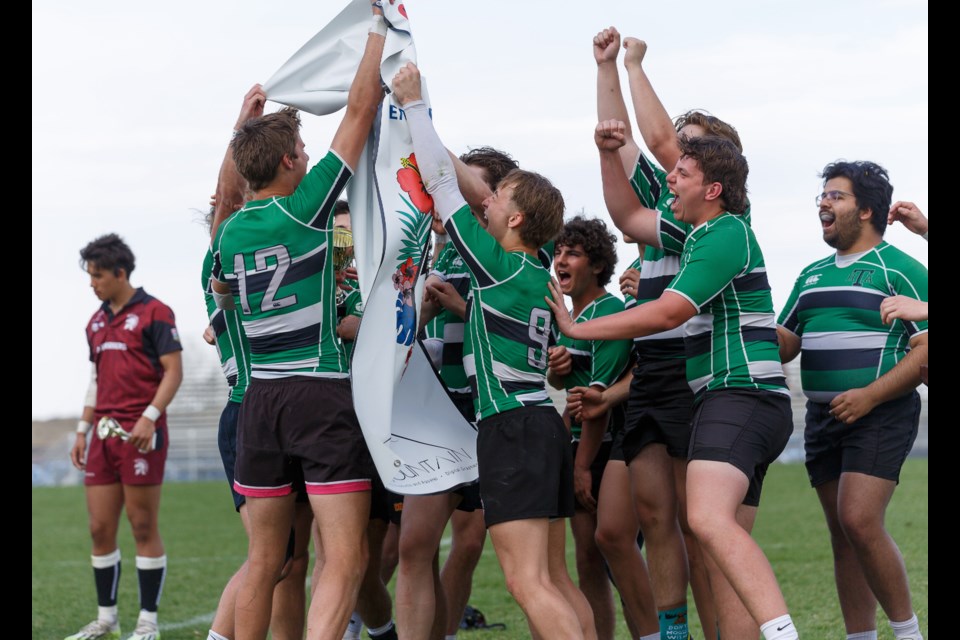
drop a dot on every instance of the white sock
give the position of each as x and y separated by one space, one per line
148 616
907 630
356 623
107 614
380 630
452 636
781 628
863 635
213 635
652 636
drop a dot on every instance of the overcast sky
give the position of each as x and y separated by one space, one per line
133 106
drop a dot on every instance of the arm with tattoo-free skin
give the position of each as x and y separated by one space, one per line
587 403
141 436
668 311
903 308
910 216
230 184
610 102
853 404
79 450
591 437
654 123
559 366
631 217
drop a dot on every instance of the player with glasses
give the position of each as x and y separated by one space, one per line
834 195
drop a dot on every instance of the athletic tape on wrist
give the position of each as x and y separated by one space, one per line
379 26
83 426
151 413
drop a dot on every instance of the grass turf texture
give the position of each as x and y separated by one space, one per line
205 544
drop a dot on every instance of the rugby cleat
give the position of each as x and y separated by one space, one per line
97 630
145 631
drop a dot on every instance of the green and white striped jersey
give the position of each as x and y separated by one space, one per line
232 347
508 325
595 362
835 310
451 268
732 342
353 306
273 254
660 264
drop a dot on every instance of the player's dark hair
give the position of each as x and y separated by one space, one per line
596 241
871 187
108 252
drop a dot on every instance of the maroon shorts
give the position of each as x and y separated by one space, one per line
295 425
114 460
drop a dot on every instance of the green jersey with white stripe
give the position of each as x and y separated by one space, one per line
834 308
352 306
273 254
595 362
732 342
508 325
231 344
660 264
451 268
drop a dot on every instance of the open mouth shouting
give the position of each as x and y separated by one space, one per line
565 279
827 219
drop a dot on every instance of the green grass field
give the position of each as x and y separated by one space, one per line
205 544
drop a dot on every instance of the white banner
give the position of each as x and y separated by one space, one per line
418 439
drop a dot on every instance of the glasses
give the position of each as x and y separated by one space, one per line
832 196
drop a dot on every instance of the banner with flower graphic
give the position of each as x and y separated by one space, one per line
418 439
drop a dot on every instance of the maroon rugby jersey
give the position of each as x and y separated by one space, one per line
126 350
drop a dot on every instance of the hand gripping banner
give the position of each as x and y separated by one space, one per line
418 439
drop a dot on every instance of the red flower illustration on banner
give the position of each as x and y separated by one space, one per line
408 177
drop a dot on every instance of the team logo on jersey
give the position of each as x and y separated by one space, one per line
174 334
96 325
131 321
140 467
812 280
861 277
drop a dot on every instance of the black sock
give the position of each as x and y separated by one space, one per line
151 573
106 575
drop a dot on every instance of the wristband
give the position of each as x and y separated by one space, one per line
379 26
151 413
83 427
924 236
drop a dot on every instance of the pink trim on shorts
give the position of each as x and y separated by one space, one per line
343 486
263 492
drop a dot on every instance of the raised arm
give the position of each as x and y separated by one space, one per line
437 166
626 211
654 123
230 184
610 102
365 95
